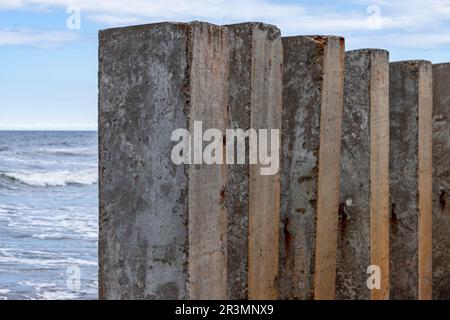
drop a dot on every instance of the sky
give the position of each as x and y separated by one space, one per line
48 48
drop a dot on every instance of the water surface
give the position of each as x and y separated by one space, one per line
48 215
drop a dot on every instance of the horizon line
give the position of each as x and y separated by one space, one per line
48 129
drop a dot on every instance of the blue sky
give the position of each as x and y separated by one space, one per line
48 72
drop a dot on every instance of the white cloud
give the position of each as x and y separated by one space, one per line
172 9
11 4
395 14
112 20
405 41
409 18
408 15
35 38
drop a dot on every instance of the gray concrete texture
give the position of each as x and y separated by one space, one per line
152 80
133 161
255 88
365 154
312 103
217 231
441 181
410 120
180 232
252 200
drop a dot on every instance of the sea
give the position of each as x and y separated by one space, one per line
48 215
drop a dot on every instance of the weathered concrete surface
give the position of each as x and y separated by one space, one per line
162 226
441 181
161 77
252 200
410 179
207 213
313 83
237 189
363 232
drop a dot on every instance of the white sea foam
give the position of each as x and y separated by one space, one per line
49 291
54 178
69 151
57 295
4 294
51 236
54 224
4 209
16 257
47 227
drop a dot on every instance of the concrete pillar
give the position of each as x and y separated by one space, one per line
313 83
441 181
186 231
252 199
410 179
162 226
363 230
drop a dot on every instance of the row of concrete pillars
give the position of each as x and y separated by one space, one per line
354 188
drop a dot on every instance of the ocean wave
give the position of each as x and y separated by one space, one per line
51 236
37 262
69 151
54 291
53 178
4 293
5 208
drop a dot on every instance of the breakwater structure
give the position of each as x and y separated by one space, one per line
356 208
